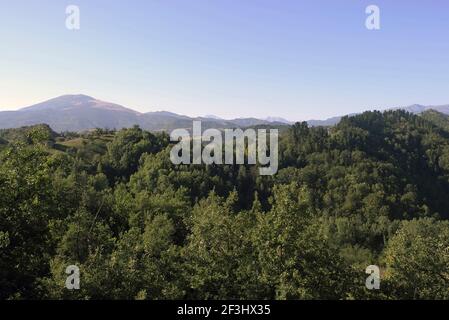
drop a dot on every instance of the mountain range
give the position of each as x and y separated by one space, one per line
81 112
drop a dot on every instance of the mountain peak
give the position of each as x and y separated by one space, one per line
79 95
76 101
211 116
75 97
418 108
59 102
278 119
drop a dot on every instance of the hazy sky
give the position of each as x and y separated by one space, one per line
232 58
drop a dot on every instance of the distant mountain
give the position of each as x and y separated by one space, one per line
81 112
248 122
278 119
417 108
211 116
76 103
324 123
72 113
414 108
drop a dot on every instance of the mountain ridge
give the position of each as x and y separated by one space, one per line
79 112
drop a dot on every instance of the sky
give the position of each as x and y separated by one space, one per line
295 59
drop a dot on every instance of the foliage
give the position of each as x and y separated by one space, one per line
371 190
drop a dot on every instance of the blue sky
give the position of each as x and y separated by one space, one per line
235 58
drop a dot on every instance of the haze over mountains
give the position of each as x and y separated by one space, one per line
81 112
415 108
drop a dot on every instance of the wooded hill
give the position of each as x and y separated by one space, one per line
372 190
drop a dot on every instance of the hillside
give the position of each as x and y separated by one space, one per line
28 133
371 190
439 119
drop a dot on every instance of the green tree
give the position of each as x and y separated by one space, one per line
417 260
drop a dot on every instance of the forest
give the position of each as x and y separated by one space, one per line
371 190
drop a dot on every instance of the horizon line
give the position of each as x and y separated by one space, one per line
213 116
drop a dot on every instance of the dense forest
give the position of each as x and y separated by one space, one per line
372 190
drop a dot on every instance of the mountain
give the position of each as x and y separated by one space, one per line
324 123
414 108
76 103
72 113
417 108
278 119
211 116
81 112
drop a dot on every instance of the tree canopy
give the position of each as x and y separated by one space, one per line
371 190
